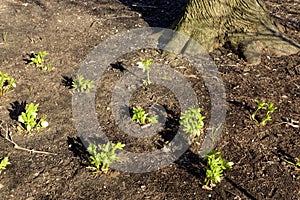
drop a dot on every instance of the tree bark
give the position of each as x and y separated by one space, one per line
243 25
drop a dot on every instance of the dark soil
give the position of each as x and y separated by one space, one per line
69 30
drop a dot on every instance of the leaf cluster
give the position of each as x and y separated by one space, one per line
4 162
82 85
6 83
215 167
141 117
192 121
145 66
39 60
268 107
100 161
29 118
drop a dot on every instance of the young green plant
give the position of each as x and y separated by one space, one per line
4 162
145 66
82 85
192 121
39 61
215 168
269 107
141 117
4 36
6 83
101 161
29 118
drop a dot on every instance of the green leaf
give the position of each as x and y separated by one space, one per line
192 121
82 85
4 162
105 157
215 167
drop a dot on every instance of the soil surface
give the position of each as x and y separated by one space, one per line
69 30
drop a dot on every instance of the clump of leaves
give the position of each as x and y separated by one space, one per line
145 66
29 118
6 83
269 107
82 85
141 117
4 162
39 61
215 168
100 161
192 121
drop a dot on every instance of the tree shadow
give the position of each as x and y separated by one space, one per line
157 13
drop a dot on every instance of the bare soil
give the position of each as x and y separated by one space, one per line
68 30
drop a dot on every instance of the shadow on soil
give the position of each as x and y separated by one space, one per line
196 167
157 13
16 109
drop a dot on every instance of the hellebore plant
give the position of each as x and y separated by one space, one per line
39 61
214 170
100 161
141 117
192 121
82 85
29 118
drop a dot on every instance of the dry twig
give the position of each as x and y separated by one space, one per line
9 138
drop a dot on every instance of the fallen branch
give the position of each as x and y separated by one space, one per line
9 138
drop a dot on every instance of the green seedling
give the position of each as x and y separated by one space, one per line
4 36
39 61
269 107
6 83
215 168
192 121
145 66
29 118
141 117
100 161
4 162
82 85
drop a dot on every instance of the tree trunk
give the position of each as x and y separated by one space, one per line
243 25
